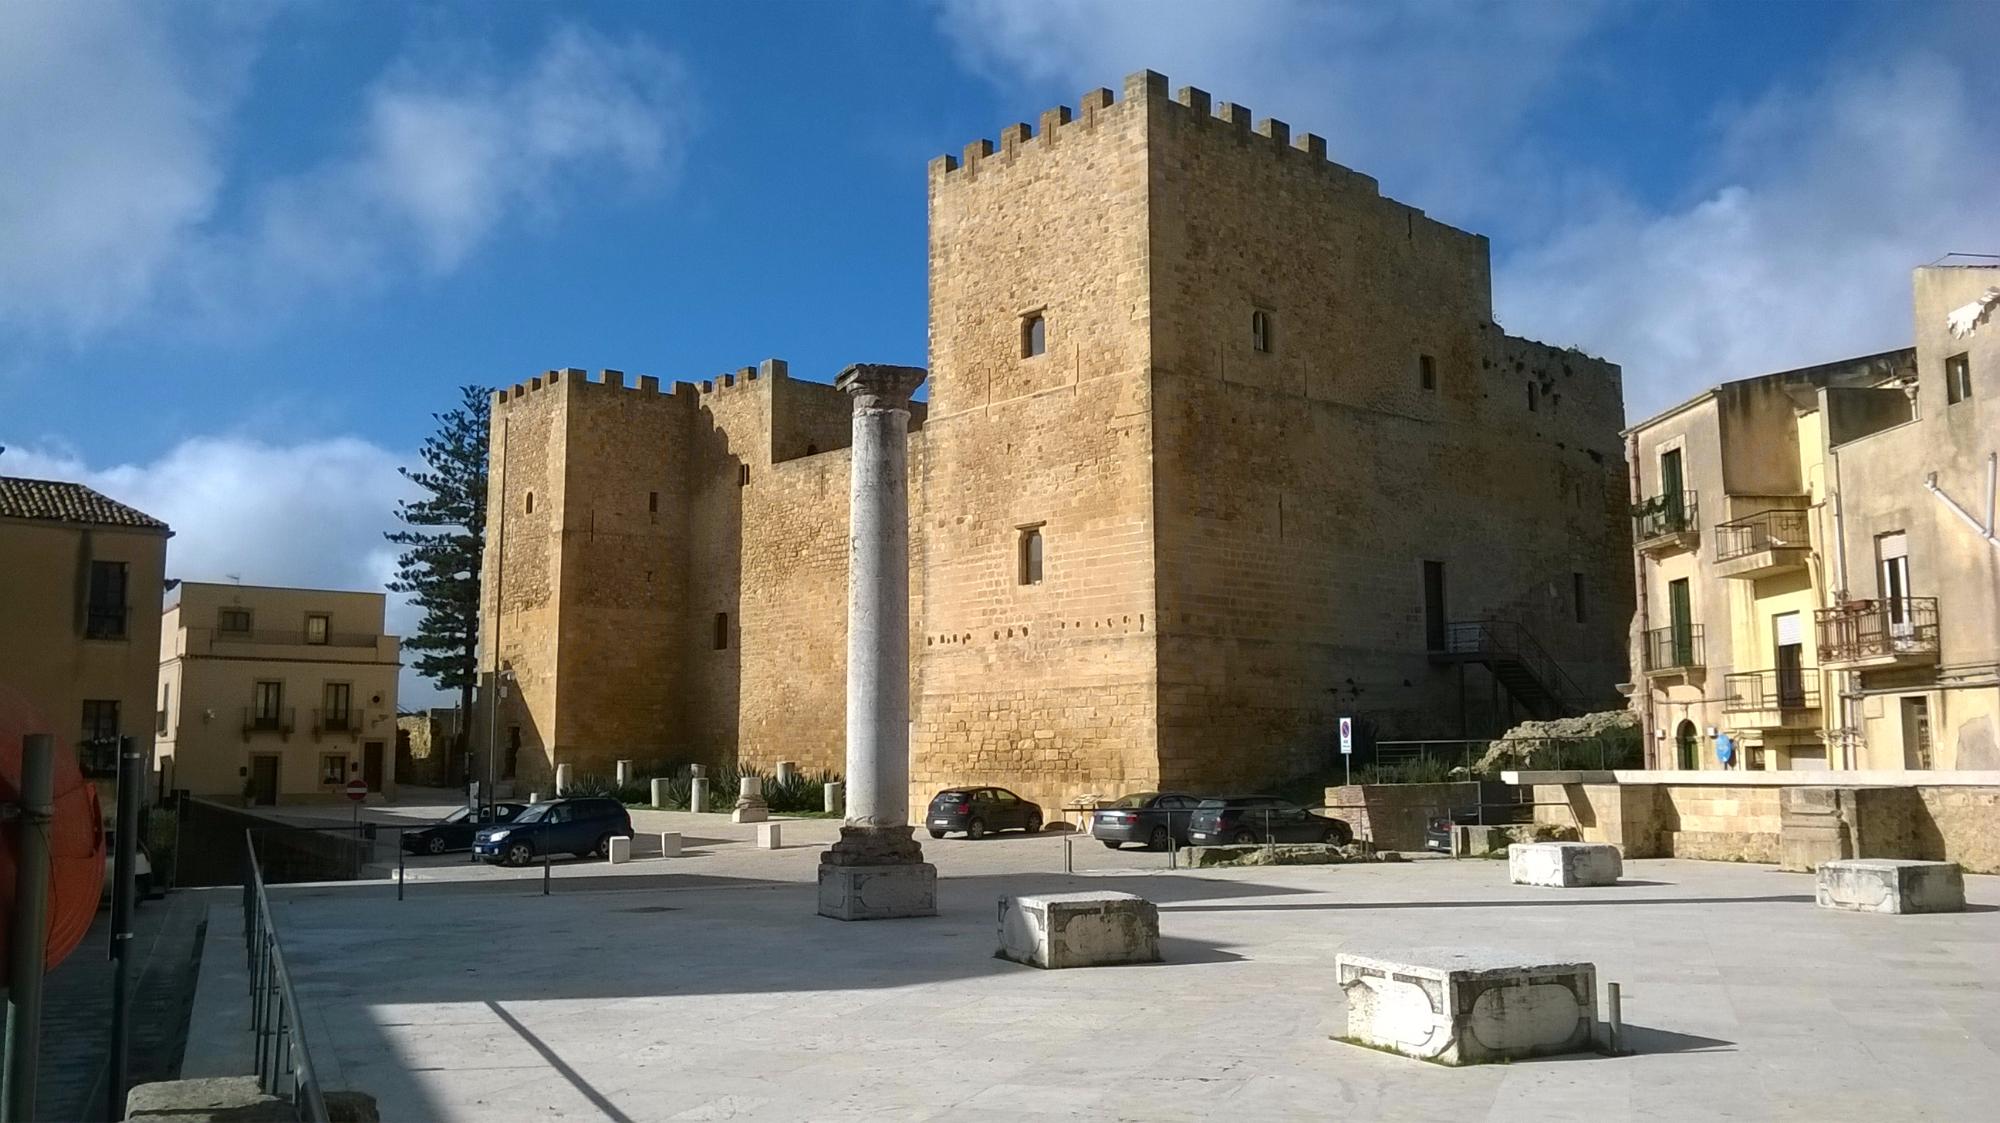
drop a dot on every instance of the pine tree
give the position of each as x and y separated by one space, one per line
439 568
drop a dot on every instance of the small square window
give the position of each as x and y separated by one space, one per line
1957 378
107 614
1260 331
1030 571
721 631
234 621
319 626
1427 372
332 769
1034 335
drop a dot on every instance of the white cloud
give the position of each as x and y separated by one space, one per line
1791 243
309 515
112 200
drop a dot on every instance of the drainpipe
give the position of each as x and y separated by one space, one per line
1639 680
1850 702
1992 478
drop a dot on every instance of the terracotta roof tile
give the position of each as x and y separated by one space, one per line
67 502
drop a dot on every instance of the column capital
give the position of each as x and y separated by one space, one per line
880 386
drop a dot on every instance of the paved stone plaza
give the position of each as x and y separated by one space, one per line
706 988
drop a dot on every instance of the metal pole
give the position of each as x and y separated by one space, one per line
1069 860
545 873
131 776
400 851
1614 1026
28 942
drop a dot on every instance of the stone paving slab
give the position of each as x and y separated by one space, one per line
704 987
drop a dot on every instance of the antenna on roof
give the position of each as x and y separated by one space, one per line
236 577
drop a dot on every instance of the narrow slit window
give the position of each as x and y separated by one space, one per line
1260 331
1534 398
1427 372
743 475
653 502
721 631
1576 596
1957 378
529 506
1034 335
1031 556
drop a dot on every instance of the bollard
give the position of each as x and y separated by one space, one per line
545 873
698 794
659 793
565 776
622 770
788 770
1614 1019
400 851
1069 854
836 797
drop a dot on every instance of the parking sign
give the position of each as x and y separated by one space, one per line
1347 736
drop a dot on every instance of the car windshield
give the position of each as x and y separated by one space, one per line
535 813
1139 799
458 816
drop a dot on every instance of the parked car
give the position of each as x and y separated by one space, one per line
980 811
581 826
1148 818
455 831
1262 818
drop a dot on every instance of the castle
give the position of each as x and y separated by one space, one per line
1220 445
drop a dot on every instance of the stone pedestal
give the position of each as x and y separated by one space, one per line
670 844
1564 865
564 778
659 792
1473 841
621 849
836 802
750 805
697 770
877 892
698 794
1894 885
623 771
787 771
770 836
1056 930
1463 1006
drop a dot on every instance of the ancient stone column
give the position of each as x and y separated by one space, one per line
876 870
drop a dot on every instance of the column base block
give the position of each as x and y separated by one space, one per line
878 892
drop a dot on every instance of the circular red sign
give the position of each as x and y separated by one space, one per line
357 789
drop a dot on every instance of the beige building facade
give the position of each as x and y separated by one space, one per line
1220 445
79 575
276 695
1819 585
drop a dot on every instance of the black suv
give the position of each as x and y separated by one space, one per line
1262 818
581 826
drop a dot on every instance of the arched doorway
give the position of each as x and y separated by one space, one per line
1687 740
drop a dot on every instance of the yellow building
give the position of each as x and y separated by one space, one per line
274 695
72 565
1819 585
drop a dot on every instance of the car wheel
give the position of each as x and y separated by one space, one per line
603 847
977 829
1110 843
520 854
1245 838
1338 835
937 834
436 845
1157 840
1034 824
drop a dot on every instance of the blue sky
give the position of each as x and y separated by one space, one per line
246 248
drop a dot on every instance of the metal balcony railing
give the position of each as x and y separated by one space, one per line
1665 516
1495 640
336 721
1746 691
280 721
1674 648
106 622
1872 629
1765 530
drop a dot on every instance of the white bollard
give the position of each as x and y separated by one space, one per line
787 770
534 797
564 778
621 849
670 844
750 805
768 837
836 797
659 792
698 794
624 772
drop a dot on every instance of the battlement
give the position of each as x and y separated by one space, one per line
578 380
1148 88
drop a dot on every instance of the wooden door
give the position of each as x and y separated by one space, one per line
371 764
264 780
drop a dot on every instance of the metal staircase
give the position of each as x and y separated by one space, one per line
1518 661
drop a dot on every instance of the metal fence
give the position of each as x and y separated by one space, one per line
283 1059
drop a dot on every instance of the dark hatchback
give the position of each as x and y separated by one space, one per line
1262 818
1148 818
455 831
981 811
582 826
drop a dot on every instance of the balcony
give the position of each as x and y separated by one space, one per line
295 637
347 721
1672 651
279 721
1772 699
97 757
1763 545
107 622
1666 522
1864 635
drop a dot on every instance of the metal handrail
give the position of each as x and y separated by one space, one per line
1779 528
1511 639
1796 689
1864 629
1672 648
281 1050
1663 515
